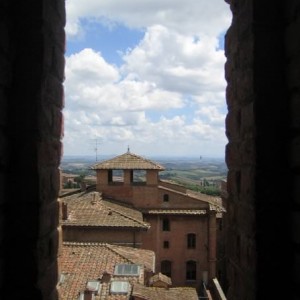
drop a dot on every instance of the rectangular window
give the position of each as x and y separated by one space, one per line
191 241
116 176
166 244
165 225
166 267
191 270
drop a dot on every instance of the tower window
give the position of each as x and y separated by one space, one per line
166 198
166 244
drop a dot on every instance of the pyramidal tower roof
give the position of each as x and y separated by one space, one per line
129 161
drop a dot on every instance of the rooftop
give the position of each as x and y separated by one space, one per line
129 161
81 262
177 211
89 209
160 278
153 293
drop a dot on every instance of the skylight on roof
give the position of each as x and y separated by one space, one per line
127 270
94 286
119 287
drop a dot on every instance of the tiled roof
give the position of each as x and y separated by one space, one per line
177 211
215 203
89 209
160 277
80 262
128 161
136 256
153 293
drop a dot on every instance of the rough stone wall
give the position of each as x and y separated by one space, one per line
240 132
31 100
262 155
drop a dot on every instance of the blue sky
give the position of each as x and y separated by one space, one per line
145 74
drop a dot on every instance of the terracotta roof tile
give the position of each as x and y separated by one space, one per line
152 293
136 255
128 161
80 262
89 209
160 277
177 211
215 203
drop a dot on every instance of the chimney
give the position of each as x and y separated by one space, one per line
64 209
105 278
88 295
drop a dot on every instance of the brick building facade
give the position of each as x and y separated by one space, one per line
183 225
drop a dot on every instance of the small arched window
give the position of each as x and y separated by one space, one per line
166 198
191 270
166 268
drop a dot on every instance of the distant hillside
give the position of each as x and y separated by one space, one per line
198 174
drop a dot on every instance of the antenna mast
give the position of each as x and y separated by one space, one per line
96 150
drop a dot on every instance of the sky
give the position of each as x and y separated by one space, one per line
145 74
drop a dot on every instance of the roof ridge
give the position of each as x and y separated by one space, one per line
110 247
128 160
209 199
65 243
130 218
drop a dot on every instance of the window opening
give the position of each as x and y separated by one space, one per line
191 270
166 267
191 241
166 198
166 244
117 176
139 177
165 225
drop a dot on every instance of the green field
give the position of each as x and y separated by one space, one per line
199 175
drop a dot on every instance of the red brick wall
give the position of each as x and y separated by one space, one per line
150 196
112 236
152 177
180 226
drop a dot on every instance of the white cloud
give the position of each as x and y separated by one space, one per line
189 16
147 102
177 62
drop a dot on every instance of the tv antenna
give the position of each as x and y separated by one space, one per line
96 149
